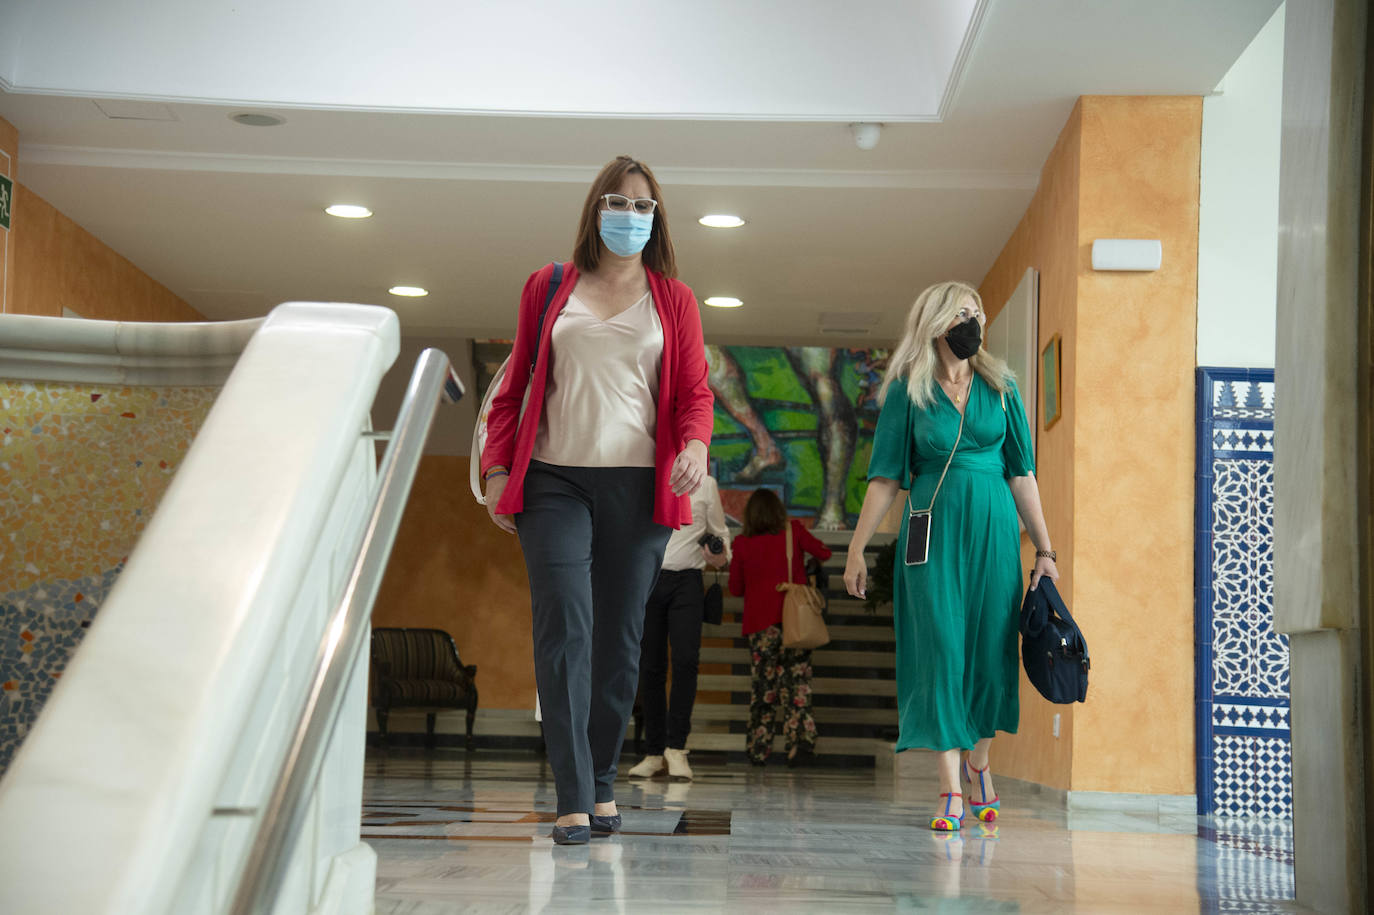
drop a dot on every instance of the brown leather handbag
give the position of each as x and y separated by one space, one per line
803 625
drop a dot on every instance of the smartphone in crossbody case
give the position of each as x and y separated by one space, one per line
918 521
917 538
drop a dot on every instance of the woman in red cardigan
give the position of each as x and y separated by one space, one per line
598 471
782 676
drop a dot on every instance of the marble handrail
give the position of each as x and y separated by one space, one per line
37 348
132 791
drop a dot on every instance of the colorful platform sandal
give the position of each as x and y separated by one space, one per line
988 811
947 822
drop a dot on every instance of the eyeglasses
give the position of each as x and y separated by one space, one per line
966 312
619 203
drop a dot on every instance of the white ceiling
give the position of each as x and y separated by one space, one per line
229 217
591 57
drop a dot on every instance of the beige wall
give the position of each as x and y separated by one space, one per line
1116 472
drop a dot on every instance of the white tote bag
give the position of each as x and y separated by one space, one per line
479 430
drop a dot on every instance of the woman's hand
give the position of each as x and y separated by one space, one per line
689 469
495 486
856 575
1044 566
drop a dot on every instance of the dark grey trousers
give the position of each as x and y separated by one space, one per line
593 552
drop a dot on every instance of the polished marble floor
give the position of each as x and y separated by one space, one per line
458 832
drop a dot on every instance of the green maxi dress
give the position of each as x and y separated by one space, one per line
956 615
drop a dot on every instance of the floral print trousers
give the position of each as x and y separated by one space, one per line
782 689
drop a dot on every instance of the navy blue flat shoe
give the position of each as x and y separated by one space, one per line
571 835
605 825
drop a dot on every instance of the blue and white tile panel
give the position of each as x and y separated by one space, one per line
1244 761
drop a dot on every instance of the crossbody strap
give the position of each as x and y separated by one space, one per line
958 438
789 549
554 283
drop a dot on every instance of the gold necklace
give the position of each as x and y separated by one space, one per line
958 397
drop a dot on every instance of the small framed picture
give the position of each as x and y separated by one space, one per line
1052 404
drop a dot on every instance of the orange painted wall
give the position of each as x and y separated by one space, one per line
58 264
1047 239
51 263
9 147
1134 459
451 569
1116 472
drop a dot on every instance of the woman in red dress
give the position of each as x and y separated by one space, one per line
782 676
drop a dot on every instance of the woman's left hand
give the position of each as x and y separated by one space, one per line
689 469
1044 566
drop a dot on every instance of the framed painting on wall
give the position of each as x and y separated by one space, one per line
1013 336
1052 406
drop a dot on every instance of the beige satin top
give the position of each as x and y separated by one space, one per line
601 403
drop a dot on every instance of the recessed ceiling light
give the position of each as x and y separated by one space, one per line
721 221
348 211
254 119
412 291
723 301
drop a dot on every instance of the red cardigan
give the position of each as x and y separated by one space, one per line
759 566
685 403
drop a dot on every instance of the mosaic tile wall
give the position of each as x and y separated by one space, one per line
82 467
1244 761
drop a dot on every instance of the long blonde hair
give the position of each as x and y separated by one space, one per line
916 359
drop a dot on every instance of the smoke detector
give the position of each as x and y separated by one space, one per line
866 135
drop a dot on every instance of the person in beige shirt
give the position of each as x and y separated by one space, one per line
673 615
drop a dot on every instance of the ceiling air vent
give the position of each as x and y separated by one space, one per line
257 119
848 323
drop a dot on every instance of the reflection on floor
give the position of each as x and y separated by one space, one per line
458 832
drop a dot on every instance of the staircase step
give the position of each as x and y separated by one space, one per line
821 657
821 686
707 714
842 632
825 746
706 719
838 605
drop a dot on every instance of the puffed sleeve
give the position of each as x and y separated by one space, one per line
809 542
1018 455
892 444
737 568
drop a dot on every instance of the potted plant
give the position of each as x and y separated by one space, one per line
879 589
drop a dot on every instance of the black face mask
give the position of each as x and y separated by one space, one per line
964 339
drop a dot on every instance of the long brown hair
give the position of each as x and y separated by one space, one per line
658 253
764 514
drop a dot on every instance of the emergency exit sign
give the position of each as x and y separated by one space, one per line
6 199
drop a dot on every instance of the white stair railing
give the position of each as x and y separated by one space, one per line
141 786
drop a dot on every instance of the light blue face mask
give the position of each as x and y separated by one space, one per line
626 234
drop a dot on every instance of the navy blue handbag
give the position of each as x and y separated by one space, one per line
1053 650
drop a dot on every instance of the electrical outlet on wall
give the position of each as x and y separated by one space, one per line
1056 724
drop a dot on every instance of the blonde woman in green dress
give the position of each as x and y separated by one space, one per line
955 615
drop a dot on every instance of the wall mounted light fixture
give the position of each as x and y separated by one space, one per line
1127 254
